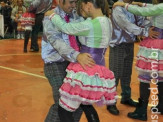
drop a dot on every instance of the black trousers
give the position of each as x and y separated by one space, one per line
35 30
89 110
26 39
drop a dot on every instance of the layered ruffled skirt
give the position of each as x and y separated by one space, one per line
95 85
28 19
150 60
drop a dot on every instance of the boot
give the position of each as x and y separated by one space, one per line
113 109
141 111
129 102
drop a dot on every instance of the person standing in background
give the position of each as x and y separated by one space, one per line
39 7
27 20
15 14
5 10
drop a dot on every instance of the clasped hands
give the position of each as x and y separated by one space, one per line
84 59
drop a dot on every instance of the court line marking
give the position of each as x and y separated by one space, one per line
23 72
35 75
21 54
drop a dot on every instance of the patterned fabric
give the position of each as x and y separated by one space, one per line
95 33
96 84
28 19
55 72
120 62
55 50
127 26
55 78
120 56
150 59
55 44
156 11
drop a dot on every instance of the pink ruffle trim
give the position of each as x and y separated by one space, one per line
149 66
101 71
152 43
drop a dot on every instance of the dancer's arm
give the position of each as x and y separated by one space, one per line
52 35
145 11
121 19
77 29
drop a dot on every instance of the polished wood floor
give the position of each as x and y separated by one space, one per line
25 94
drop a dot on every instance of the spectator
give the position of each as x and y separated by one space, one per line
5 10
19 8
13 3
39 7
28 20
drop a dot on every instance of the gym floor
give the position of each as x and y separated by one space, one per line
25 93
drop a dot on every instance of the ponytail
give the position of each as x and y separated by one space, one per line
105 8
103 4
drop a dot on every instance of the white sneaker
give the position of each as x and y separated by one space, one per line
22 36
18 36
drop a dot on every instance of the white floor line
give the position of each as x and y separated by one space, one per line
27 73
20 54
23 72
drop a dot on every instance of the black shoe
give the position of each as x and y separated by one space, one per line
113 109
140 112
33 50
130 102
137 115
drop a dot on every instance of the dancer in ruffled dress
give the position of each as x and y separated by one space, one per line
149 58
87 85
